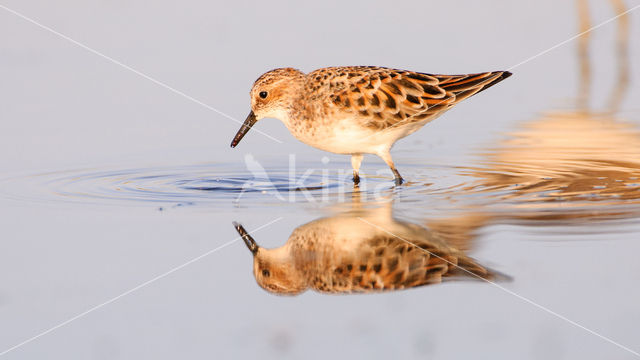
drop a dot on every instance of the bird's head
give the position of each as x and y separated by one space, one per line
273 269
272 96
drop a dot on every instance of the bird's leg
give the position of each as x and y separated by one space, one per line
386 156
356 160
398 179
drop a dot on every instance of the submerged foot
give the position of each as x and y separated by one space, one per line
398 179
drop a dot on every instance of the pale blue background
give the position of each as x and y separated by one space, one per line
63 108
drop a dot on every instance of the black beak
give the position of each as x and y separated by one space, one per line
251 244
244 129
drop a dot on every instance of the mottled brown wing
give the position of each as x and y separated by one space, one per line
392 264
387 97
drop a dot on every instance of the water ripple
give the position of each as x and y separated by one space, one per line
201 184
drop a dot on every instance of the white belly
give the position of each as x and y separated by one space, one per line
346 137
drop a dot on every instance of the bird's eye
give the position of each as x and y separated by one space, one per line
263 94
266 273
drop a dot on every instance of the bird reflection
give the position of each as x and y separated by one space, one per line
360 251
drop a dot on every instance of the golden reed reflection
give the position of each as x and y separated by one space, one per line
361 251
571 167
566 160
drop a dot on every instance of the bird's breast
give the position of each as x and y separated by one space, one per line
343 136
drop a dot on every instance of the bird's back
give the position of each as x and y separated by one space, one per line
382 97
385 262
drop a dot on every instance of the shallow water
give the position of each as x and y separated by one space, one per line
515 236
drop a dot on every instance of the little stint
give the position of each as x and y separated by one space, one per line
358 110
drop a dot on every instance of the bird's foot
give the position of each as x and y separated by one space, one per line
356 179
398 179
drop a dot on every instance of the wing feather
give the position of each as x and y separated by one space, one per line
388 263
385 97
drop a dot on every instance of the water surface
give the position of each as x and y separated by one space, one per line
109 182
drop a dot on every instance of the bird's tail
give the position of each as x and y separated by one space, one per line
464 86
470 269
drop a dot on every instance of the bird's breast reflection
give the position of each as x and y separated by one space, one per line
360 252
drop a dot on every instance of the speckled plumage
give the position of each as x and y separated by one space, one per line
359 109
346 254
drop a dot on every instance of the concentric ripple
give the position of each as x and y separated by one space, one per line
199 184
507 191
178 185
